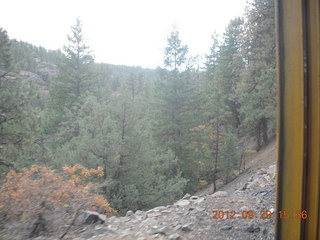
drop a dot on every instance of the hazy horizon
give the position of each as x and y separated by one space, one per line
131 33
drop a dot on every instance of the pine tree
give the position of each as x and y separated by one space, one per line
171 97
17 147
216 108
115 133
228 70
257 88
10 107
5 56
223 72
229 157
71 86
177 110
75 73
175 53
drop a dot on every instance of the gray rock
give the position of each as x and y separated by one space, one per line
113 227
186 228
271 171
166 211
139 212
252 229
245 187
154 214
199 200
126 232
199 209
90 217
187 196
162 230
129 213
175 237
258 183
227 227
244 208
159 209
111 219
262 171
182 203
150 211
220 194
89 235
178 227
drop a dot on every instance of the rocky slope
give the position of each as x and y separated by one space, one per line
237 211
193 216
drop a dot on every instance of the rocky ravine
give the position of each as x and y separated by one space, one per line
191 217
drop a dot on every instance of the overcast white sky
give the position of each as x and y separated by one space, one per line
128 32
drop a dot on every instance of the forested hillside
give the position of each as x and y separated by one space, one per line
151 135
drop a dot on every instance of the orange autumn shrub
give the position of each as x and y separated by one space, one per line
81 175
25 194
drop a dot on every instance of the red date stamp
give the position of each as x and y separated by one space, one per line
264 214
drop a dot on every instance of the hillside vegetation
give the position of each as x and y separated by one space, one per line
155 134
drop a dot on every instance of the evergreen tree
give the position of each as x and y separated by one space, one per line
115 133
177 106
216 109
257 88
70 87
171 96
17 122
228 70
5 56
175 53
229 157
10 107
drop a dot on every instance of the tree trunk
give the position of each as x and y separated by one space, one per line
216 157
258 136
262 133
264 129
105 167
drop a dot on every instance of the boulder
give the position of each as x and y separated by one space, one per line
258 183
186 228
271 171
160 208
199 200
262 171
252 229
175 237
129 213
182 203
187 196
226 227
139 212
162 230
194 197
90 217
220 194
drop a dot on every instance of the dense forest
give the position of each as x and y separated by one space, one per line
151 135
